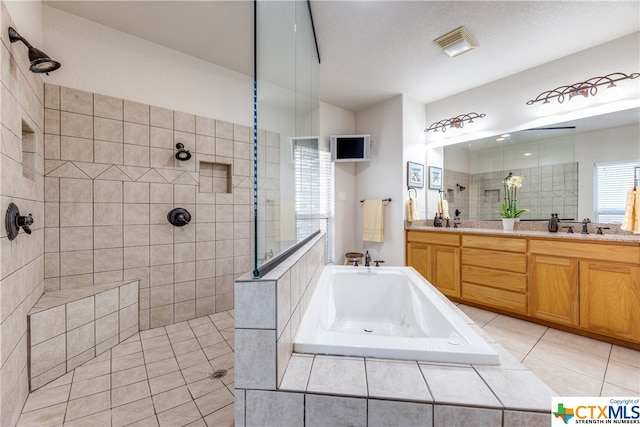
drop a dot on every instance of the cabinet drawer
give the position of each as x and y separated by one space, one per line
508 244
444 238
515 282
507 261
492 297
587 250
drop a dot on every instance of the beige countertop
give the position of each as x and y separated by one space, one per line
561 235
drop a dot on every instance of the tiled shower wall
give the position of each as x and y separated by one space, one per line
22 183
546 189
111 178
456 198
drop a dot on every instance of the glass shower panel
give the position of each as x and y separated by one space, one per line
287 109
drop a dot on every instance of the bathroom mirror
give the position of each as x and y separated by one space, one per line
557 163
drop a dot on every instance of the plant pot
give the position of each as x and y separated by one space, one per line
508 223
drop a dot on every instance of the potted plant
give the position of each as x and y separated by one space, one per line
509 211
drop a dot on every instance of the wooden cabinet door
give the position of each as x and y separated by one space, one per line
553 289
610 299
418 257
445 269
440 265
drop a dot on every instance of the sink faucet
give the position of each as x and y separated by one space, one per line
584 223
367 259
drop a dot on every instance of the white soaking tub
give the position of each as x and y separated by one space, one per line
387 312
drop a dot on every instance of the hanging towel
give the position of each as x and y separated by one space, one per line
444 209
631 221
413 210
373 223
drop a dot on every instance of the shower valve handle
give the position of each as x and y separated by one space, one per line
25 222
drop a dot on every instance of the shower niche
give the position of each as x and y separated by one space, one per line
28 152
215 177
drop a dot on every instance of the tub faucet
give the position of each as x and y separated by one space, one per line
367 259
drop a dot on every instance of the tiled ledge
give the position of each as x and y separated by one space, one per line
70 327
404 392
481 395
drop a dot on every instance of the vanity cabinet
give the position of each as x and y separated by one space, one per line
494 272
436 256
584 286
592 285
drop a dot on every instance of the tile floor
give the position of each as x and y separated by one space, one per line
158 377
570 364
162 376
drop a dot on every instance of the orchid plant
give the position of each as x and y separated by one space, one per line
511 184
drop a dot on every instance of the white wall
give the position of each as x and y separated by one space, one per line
382 177
27 18
337 121
606 145
102 60
414 150
504 101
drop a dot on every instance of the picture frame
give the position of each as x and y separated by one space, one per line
415 175
435 178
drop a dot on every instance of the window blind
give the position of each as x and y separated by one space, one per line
314 177
612 182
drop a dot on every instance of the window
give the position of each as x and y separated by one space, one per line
612 182
314 191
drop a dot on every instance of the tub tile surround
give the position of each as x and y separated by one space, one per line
333 390
111 178
70 327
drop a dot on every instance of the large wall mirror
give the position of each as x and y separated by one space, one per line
557 163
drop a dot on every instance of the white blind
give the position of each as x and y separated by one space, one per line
314 191
612 182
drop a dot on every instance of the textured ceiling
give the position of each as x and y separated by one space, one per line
373 50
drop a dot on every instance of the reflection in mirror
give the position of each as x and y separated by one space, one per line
557 163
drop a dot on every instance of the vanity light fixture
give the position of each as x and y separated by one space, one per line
40 61
581 89
456 42
454 122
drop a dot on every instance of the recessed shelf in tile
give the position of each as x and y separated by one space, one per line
215 177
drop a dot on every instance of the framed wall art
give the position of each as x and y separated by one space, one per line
415 175
435 178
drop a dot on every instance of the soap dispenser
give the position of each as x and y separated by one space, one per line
553 223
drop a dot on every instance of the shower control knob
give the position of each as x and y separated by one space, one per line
13 221
179 217
25 222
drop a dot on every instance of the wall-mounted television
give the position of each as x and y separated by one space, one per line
350 148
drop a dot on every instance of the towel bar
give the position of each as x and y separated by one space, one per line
384 201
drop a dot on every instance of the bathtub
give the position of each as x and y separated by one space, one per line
386 312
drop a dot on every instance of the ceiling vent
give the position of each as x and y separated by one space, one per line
456 42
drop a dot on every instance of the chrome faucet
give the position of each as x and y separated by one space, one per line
367 259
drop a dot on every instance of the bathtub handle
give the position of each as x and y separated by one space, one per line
355 262
378 262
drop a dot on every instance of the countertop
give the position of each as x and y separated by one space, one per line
560 235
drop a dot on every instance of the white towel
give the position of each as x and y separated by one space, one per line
373 221
631 221
413 214
444 209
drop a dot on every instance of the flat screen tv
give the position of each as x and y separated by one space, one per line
350 148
